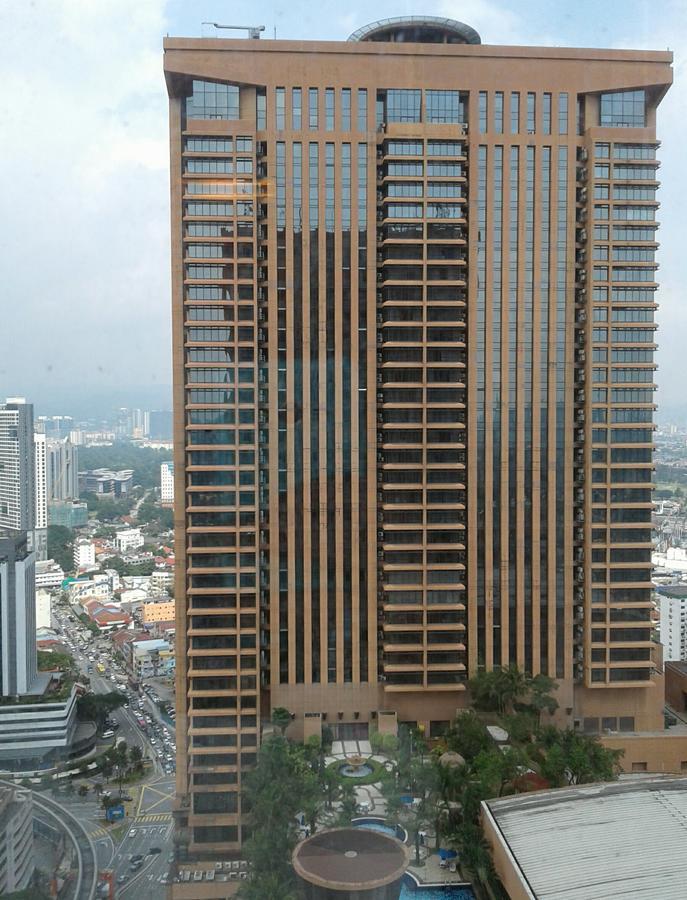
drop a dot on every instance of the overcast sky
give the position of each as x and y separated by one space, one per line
84 257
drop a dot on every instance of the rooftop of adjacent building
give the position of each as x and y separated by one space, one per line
598 841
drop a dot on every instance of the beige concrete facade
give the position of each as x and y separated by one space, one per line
398 455
159 612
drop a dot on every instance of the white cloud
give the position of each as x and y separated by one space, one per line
85 246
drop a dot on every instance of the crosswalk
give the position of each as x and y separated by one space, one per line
153 819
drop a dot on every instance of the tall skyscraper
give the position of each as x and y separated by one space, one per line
413 323
18 658
40 452
62 470
17 466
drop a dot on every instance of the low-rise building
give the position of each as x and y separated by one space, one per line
17 859
84 554
107 616
49 574
106 482
85 589
158 612
149 658
131 539
161 580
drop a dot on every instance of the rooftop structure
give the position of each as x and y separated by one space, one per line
351 864
417 30
592 842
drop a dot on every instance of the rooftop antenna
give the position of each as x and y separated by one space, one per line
253 30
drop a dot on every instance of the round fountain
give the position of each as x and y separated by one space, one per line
355 767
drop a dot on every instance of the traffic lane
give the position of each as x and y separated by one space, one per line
144 838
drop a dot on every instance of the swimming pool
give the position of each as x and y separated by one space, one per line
440 892
376 824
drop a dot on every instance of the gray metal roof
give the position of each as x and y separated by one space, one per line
450 27
621 840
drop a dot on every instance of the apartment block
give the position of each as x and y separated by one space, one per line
413 294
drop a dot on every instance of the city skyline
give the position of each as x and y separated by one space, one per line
82 220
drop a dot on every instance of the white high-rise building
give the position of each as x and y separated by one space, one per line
84 554
40 447
673 627
167 482
17 467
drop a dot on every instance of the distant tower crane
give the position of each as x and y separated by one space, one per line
253 30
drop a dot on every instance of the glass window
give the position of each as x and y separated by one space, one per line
546 113
444 148
403 105
514 112
498 112
443 106
280 108
212 100
296 108
261 109
312 108
345 109
483 111
531 113
623 109
362 109
563 113
329 109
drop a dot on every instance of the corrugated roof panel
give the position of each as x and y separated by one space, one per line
596 842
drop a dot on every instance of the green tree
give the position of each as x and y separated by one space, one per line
60 546
136 758
96 708
281 718
331 785
83 790
280 786
540 696
468 735
573 758
108 802
349 806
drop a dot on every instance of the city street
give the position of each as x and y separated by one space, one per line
125 847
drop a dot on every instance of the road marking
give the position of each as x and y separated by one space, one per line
159 817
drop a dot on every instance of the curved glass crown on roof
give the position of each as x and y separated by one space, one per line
417 30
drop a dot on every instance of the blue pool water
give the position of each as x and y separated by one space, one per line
434 893
377 826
